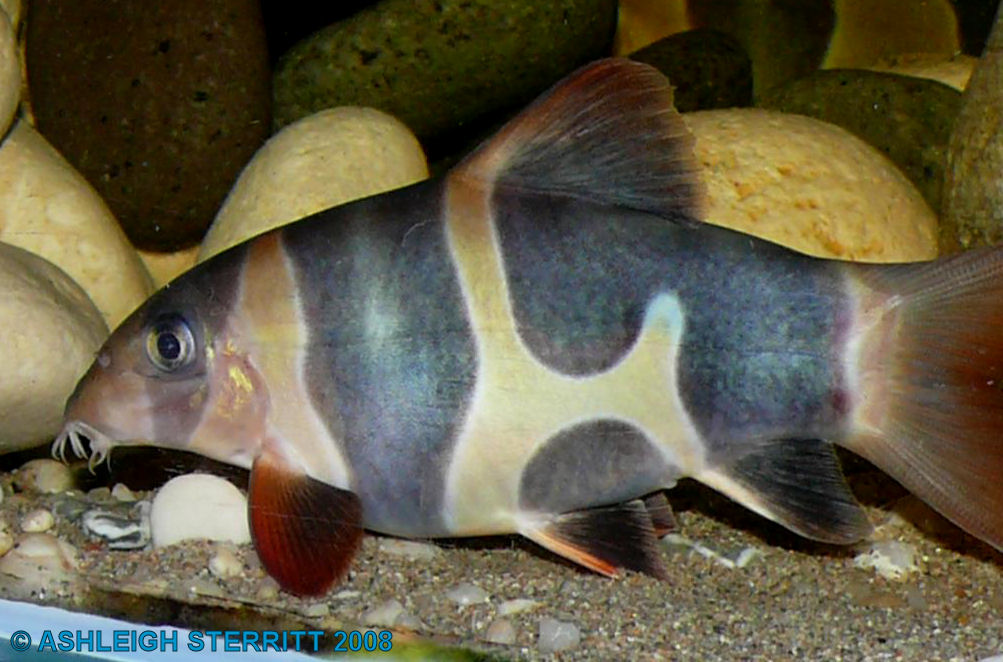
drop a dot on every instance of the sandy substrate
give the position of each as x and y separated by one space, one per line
795 600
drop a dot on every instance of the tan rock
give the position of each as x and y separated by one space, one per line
810 186
643 22
953 70
323 160
868 30
165 267
47 207
14 10
10 72
49 333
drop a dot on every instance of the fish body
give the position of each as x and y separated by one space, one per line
544 340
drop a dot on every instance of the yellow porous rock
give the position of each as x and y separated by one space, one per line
48 208
326 159
165 267
952 70
810 186
49 334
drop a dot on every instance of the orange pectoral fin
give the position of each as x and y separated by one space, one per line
305 531
604 539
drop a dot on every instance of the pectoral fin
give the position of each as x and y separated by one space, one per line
663 520
305 531
605 539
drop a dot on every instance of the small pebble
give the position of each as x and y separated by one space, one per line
198 506
467 594
557 635
268 590
347 594
500 631
39 558
889 558
37 521
409 549
121 531
43 475
517 606
6 539
225 564
99 494
317 610
409 621
122 492
384 614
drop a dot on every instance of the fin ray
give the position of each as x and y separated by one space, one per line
305 531
608 133
604 539
797 483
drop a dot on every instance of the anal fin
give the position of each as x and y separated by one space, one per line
305 531
797 483
605 539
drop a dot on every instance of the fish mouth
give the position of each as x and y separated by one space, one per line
74 432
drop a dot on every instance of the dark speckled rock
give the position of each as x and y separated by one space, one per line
438 64
973 196
158 104
909 119
707 68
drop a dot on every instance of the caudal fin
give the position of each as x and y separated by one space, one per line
927 352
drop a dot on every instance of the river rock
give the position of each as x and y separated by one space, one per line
44 476
868 31
953 70
10 72
320 161
909 119
439 64
46 207
49 333
198 507
708 69
785 40
973 190
165 267
809 185
158 104
38 562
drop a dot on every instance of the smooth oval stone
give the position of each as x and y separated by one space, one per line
973 191
49 333
436 65
158 104
199 507
10 71
708 69
908 119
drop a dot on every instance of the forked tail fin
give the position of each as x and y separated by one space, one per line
926 350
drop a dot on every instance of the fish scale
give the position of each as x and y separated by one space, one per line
545 340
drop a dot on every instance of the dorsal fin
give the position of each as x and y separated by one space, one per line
607 133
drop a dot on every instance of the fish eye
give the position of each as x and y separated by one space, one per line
170 344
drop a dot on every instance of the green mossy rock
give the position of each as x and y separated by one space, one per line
436 65
708 69
909 119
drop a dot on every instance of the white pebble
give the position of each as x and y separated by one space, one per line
409 621
517 606
384 614
122 492
44 475
409 549
557 635
347 594
199 506
268 590
500 631
317 610
467 594
747 556
889 558
38 521
39 557
6 539
225 564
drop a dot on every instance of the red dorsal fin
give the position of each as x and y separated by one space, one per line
305 531
607 133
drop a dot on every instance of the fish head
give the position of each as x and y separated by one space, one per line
172 375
